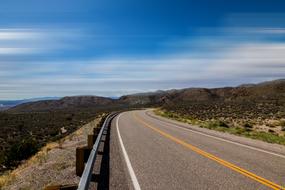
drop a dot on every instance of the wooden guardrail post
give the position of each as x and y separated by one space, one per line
82 155
79 161
96 131
61 187
90 141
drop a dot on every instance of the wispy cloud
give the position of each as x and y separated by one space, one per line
19 34
14 41
19 51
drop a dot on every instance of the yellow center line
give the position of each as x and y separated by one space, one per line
212 157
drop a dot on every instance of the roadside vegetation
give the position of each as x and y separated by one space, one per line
271 131
23 134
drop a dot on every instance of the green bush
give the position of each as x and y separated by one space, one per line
282 124
248 126
101 122
223 124
268 137
216 124
271 131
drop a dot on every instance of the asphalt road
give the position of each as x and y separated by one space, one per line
147 152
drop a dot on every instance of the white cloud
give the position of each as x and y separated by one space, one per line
272 30
19 51
19 34
22 41
251 60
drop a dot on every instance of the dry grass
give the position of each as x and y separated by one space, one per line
53 164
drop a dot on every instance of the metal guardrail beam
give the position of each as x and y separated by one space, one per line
87 173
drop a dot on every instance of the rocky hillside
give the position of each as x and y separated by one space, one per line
267 91
147 99
265 95
260 101
66 103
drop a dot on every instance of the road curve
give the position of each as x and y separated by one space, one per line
149 153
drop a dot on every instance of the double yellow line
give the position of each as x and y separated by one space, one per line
214 158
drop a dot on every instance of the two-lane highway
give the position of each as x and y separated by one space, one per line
148 153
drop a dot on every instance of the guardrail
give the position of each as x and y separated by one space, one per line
87 173
86 154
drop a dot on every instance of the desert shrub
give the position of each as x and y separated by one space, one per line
247 126
54 132
216 124
268 137
271 131
101 122
2 158
240 131
223 124
282 124
69 118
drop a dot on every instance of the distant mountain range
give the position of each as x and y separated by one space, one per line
5 104
272 92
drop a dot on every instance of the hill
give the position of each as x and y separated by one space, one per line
66 103
6 104
273 90
260 100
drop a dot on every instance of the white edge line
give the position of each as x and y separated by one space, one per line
218 138
134 179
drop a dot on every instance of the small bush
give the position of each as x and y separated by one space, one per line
268 137
216 124
69 118
223 124
271 131
101 122
247 126
282 124
248 129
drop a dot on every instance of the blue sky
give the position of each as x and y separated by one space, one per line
111 48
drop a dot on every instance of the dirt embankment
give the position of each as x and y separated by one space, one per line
54 164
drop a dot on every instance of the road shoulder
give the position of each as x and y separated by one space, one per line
274 148
118 172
